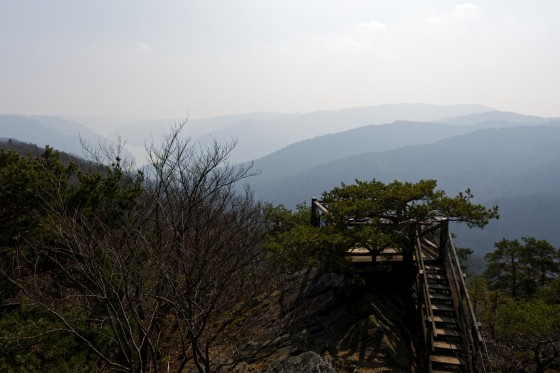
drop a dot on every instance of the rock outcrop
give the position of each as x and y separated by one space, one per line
317 323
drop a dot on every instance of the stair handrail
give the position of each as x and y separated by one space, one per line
427 312
478 357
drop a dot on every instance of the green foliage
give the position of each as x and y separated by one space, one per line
521 311
550 293
35 194
528 322
522 268
297 243
105 270
26 185
107 196
392 211
32 340
463 254
543 260
525 328
503 270
404 203
371 215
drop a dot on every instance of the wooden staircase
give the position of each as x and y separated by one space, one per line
451 332
448 353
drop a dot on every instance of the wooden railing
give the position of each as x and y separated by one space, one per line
427 314
478 360
317 209
476 354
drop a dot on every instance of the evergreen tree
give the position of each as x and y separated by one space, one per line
522 268
379 215
505 266
543 260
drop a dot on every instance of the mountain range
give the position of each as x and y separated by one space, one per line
259 134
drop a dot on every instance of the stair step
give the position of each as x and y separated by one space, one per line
442 307
448 345
438 286
441 296
448 332
451 360
446 301
429 256
442 359
434 276
434 267
444 319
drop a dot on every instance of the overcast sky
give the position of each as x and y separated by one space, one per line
166 59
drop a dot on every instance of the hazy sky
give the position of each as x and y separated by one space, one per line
153 59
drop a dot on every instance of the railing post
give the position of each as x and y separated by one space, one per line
443 237
315 213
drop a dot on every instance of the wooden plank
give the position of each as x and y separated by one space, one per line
441 296
442 307
429 243
442 359
359 259
444 319
438 286
358 253
448 345
435 276
448 332
429 256
389 258
435 267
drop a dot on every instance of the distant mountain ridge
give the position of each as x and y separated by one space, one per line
489 160
496 116
57 132
312 152
259 134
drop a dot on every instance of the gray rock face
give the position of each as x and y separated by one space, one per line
308 362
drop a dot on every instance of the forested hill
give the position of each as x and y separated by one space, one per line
494 163
316 151
23 148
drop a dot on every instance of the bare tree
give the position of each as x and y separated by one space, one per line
210 242
153 272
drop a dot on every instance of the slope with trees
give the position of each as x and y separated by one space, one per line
129 272
518 302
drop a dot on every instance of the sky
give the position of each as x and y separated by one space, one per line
198 58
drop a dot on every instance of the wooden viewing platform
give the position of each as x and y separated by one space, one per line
451 333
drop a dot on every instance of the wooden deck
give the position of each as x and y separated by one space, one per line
363 255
